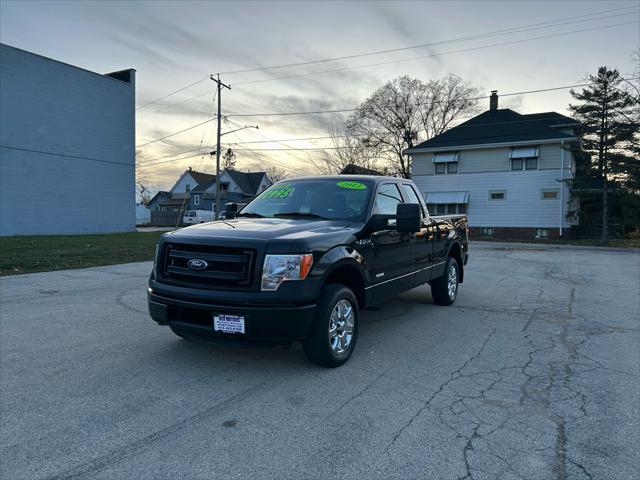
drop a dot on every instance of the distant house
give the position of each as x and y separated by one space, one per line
177 198
235 186
352 169
507 171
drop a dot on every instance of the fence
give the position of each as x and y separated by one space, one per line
166 219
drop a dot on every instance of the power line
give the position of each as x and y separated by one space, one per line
344 110
75 157
169 161
172 93
147 160
176 133
459 39
544 24
471 49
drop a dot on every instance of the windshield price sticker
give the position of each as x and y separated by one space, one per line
352 185
281 192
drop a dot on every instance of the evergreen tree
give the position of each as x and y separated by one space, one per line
606 112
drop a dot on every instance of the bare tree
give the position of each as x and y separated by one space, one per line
347 149
145 190
276 174
406 111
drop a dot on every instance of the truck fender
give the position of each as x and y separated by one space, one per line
455 251
344 256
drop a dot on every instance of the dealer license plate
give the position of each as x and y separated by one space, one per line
228 323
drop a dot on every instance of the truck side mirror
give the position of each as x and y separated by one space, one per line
408 217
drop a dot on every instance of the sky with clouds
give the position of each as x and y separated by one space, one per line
173 44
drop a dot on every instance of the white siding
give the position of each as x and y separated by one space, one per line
54 108
523 206
489 160
184 180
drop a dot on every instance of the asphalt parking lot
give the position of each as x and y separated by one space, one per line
534 373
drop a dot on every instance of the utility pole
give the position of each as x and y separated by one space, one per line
220 85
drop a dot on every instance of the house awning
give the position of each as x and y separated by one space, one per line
442 157
447 197
524 152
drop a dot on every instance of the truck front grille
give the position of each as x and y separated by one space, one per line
225 266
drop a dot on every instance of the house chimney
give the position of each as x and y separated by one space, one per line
493 100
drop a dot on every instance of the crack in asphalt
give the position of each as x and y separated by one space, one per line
544 382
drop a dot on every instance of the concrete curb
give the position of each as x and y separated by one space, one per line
547 246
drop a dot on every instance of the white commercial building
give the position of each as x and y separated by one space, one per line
67 147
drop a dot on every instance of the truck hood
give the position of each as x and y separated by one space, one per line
299 232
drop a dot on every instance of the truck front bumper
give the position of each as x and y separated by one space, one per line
277 323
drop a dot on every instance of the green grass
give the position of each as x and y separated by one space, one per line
58 252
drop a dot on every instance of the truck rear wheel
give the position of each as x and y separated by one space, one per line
444 290
334 330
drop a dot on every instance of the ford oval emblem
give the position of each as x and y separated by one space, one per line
197 264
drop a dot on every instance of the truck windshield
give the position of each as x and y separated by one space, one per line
333 199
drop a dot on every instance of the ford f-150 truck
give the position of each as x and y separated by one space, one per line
301 261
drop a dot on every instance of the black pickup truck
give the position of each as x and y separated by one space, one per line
301 260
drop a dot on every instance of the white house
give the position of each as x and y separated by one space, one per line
507 171
67 147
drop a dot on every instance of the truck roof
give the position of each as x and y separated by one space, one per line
370 178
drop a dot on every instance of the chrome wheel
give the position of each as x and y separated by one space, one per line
452 282
341 326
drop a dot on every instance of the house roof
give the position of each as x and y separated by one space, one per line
159 194
552 119
204 185
497 127
249 182
352 169
201 177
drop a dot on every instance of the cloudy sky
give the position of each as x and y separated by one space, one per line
174 44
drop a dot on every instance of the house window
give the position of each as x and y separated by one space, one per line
497 195
446 208
196 200
446 167
188 187
542 233
549 194
486 232
524 158
224 187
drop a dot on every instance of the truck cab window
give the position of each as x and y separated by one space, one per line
387 199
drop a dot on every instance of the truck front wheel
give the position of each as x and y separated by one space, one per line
334 331
444 290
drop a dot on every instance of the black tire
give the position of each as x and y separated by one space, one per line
177 332
318 346
440 286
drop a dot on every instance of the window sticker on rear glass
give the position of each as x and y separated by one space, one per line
352 185
281 191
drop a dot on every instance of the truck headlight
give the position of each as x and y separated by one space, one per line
280 268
